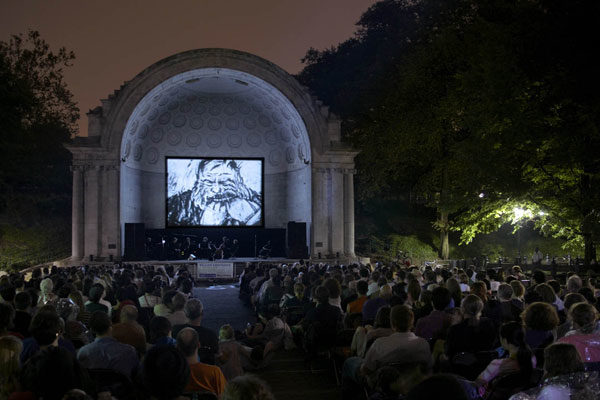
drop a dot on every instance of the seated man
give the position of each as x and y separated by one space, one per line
194 311
105 352
433 326
203 377
402 346
129 331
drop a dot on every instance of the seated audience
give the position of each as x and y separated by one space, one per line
434 325
160 332
585 335
364 336
520 358
93 304
10 350
564 377
247 387
177 315
356 306
231 353
203 377
52 372
540 319
105 351
23 316
194 311
128 330
474 333
373 305
164 373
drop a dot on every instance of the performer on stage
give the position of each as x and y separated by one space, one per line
175 248
187 247
204 250
265 251
235 246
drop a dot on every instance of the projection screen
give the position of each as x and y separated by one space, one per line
217 192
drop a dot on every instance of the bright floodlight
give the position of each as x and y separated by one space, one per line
519 212
481 195
541 213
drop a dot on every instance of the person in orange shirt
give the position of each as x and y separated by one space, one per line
362 287
203 377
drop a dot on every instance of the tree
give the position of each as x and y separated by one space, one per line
493 97
37 116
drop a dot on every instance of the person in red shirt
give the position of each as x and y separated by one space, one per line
203 377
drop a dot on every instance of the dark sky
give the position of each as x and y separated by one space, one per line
114 40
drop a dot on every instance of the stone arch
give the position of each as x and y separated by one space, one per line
100 157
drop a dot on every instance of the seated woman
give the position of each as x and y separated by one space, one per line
586 335
520 358
540 321
474 333
564 377
232 354
364 336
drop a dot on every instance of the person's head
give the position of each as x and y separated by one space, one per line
546 293
299 290
193 309
479 289
439 386
178 302
518 289
385 292
440 298
512 338
159 327
382 318
574 283
165 373
96 292
540 316
362 287
414 290
561 359
226 332
584 317
334 287
7 315
401 318
67 309
538 276
188 342
51 373
471 306
45 327
128 313
322 295
573 298
247 387
22 301
100 324
46 286
8 292
588 293
505 292
10 350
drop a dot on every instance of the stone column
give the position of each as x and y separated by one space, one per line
110 212
319 235
91 208
336 212
349 212
77 233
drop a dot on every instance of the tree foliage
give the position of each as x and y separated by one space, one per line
486 96
37 116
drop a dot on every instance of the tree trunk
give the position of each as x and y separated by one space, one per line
589 249
444 250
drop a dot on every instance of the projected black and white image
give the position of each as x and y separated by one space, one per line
214 192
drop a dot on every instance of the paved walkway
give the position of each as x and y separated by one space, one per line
288 375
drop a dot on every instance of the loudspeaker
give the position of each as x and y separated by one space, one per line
134 242
296 240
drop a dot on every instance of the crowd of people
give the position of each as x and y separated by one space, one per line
390 332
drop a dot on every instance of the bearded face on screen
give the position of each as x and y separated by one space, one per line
222 195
